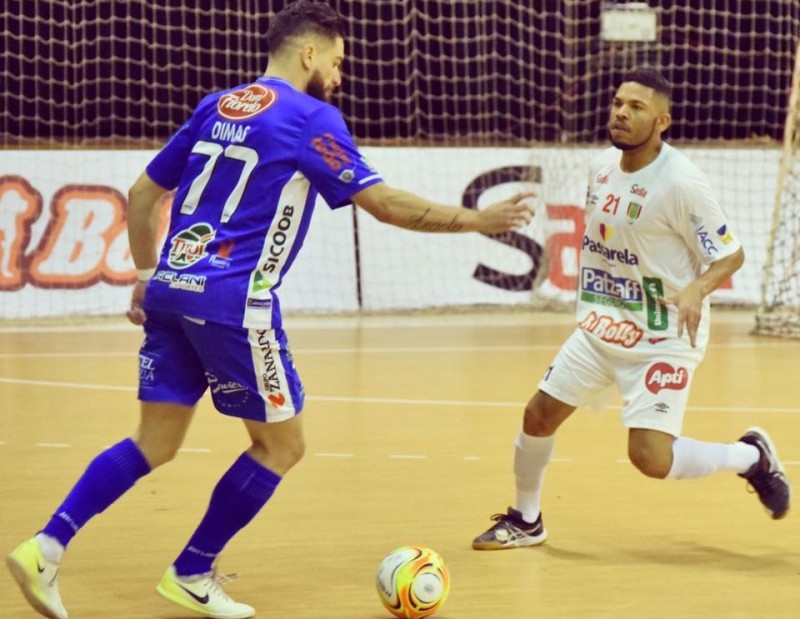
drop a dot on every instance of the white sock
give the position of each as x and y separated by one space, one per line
531 456
51 547
692 458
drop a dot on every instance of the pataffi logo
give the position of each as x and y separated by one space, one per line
246 103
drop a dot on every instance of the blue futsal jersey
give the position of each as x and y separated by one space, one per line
247 167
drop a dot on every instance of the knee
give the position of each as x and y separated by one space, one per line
652 461
543 415
156 452
280 456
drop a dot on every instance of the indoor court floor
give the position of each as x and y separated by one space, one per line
410 426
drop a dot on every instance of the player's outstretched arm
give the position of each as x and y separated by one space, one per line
407 210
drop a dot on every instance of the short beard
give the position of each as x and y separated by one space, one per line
316 87
623 146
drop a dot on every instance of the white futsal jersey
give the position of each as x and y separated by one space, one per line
648 234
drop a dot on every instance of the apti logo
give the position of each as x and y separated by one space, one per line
246 103
606 232
664 376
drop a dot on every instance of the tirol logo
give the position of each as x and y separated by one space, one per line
663 376
246 103
189 246
606 232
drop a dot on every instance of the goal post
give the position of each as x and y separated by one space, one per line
779 310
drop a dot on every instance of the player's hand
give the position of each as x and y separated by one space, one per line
689 302
506 215
136 314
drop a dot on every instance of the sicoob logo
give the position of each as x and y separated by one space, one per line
664 376
246 103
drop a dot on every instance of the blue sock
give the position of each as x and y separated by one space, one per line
110 475
237 498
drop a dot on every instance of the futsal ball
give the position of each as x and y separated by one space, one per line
413 582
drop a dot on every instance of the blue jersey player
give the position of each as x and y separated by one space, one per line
246 169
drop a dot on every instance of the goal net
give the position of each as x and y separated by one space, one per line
779 310
462 102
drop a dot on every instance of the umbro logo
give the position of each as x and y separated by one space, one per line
201 600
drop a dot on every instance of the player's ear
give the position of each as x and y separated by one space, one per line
307 53
664 121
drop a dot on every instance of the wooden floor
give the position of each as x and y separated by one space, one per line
410 425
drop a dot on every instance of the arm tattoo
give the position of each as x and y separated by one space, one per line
420 224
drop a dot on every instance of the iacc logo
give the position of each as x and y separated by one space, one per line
664 376
606 232
189 246
705 241
724 235
246 103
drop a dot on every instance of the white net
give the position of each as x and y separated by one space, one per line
779 311
453 99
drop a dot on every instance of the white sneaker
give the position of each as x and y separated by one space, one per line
37 577
202 594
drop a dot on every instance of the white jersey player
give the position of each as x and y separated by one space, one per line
656 244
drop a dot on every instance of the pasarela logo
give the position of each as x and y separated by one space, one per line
664 376
610 255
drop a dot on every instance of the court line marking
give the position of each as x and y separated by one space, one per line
391 351
349 455
403 401
325 454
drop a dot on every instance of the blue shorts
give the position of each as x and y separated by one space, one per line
250 371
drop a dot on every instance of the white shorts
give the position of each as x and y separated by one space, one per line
653 379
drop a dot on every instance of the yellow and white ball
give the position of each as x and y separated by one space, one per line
413 582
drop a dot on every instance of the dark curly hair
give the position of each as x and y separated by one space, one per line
650 78
302 17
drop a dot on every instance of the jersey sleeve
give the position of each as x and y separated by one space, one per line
330 160
703 224
167 166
